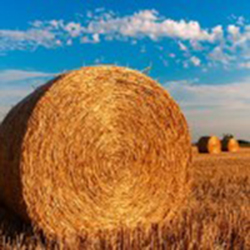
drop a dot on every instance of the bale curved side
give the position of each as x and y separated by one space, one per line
98 148
12 132
209 144
230 145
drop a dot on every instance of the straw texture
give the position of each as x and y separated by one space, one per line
209 144
97 148
230 144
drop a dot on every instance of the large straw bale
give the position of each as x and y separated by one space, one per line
96 148
209 144
230 144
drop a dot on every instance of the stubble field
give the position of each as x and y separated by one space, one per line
216 215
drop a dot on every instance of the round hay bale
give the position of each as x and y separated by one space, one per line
230 144
95 149
209 144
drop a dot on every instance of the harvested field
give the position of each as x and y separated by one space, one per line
216 215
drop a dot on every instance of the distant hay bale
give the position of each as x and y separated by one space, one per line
95 149
209 144
230 144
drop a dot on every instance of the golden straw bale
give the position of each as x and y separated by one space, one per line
97 148
230 144
209 144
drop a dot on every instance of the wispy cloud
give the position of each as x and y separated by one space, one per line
12 75
245 65
16 84
218 55
29 39
214 108
182 46
14 92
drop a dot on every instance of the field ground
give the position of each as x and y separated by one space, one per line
216 215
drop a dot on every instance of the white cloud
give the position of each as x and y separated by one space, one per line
93 39
148 23
196 45
234 32
217 33
30 39
225 45
218 55
96 38
238 38
142 24
195 61
182 46
74 29
241 21
192 61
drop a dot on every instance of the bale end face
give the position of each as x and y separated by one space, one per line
97 148
209 144
230 145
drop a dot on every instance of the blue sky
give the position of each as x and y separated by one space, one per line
198 50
